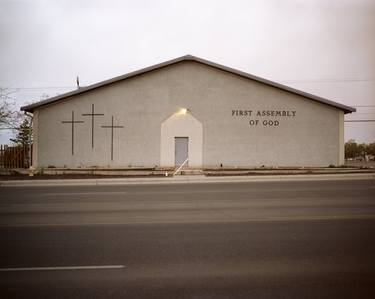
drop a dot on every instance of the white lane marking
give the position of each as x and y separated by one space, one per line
62 268
84 193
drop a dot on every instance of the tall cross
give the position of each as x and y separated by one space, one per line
92 114
72 122
112 127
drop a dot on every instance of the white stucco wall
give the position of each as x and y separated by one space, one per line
141 104
341 139
35 138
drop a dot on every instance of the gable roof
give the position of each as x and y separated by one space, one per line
30 108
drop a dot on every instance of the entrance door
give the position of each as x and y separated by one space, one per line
181 146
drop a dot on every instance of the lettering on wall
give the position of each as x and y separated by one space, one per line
266 118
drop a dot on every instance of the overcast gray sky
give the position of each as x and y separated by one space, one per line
325 47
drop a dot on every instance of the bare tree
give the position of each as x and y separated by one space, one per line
9 116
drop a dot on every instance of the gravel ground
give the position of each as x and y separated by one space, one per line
207 173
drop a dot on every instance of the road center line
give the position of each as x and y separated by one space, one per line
62 268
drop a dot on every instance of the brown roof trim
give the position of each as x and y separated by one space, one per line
30 108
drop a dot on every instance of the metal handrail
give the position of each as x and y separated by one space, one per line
179 168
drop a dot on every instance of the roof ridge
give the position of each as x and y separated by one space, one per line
188 57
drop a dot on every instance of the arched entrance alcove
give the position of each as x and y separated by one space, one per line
181 132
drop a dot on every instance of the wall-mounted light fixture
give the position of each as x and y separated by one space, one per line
183 111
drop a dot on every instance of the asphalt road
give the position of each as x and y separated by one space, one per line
311 239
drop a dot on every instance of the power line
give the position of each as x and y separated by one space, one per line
364 113
15 128
39 87
285 81
333 80
359 120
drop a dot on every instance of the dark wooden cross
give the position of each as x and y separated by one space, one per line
92 114
112 127
72 122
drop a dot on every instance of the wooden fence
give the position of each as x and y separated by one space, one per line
15 156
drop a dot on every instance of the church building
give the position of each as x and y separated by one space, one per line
187 110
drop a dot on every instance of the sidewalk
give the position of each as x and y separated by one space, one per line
185 179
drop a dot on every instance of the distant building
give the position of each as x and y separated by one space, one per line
187 108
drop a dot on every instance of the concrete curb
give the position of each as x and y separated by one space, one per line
185 180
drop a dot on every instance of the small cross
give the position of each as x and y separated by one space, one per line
112 127
92 114
72 122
